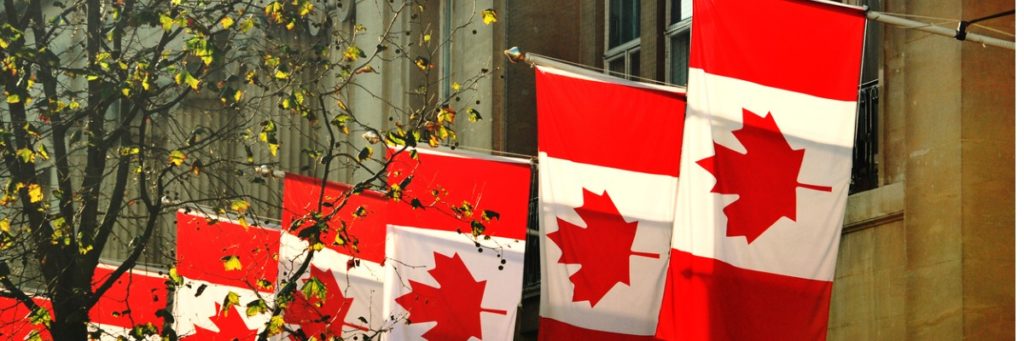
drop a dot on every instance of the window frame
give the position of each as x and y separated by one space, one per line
672 30
623 51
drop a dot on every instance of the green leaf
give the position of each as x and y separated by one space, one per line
40 316
230 300
474 115
314 288
257 306
365 154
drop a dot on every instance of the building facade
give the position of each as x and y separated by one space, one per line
927 245
927 248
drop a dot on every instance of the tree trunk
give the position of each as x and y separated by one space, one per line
71 317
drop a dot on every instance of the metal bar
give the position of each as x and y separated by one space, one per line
515 55
931 28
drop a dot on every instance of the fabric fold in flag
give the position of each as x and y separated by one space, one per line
608 163
764 170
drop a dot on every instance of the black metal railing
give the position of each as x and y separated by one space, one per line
531 266
865 145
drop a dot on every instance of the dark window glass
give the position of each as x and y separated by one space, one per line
623 21
679 58
634 63
676 12
617 66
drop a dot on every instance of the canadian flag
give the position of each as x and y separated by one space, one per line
456 244
349 268
229 273
765 170
17 323
132 302
608 160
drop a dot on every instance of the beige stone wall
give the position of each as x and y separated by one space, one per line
929 255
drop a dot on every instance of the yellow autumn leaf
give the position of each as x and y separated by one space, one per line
176 157
246 25
35 193
231 263
166 22
5 225
456 86
352 53
41 151
240 206
244 223
305 8
273 148
280 74
13 98
174 276
238 95
26 155
489 16
191 81
276 325
227 22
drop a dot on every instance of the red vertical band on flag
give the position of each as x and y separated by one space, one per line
755 40
363 215
134 298
442 182
609 124
205 245
739 304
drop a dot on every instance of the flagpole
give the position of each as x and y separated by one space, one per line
515 55
944 31
957 34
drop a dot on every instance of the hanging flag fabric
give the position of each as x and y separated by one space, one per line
349 266
17 322
456 235
608 162
765 168
229 279
132 302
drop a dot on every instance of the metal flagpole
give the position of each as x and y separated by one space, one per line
515 55
929 27
949 32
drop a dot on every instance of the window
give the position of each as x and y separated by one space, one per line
677 37
865 147
622 49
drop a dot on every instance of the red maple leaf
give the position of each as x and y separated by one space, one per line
455 304
602 248
765 177
229 324
320 318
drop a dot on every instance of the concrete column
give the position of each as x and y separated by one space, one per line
934 175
